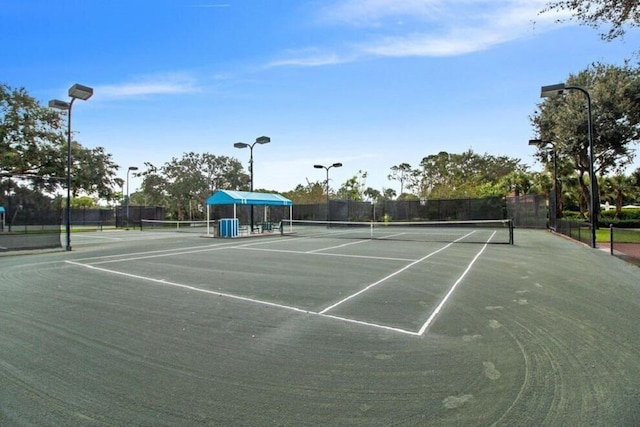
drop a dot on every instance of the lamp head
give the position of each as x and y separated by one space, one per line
240 145
133 168
337 165
552 90
318 166
80 92
57 104
536 142
263 140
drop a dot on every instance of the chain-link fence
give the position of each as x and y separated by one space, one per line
528 211
29 222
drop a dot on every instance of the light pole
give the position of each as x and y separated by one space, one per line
335 165
558 89
131 168
541 144
83 93
259 140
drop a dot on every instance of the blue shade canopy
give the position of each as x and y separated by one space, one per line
1 209
229 197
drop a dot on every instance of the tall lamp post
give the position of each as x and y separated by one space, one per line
131 168
82 93
335 165
259 140
558 89
541 144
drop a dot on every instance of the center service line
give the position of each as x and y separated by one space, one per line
455 285
390 276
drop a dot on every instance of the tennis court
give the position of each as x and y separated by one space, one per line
171 328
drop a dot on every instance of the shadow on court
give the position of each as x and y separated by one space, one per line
139 329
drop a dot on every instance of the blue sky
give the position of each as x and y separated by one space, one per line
369 83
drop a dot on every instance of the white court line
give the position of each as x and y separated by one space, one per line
322 313
84 236
395 273
455 285
166 252
236 297
336 247
323 254
191 288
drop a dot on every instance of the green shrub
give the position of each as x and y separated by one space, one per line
625 214
619 223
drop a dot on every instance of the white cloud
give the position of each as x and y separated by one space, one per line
307 58
424 28
169 84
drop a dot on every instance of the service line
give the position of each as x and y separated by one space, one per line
395 273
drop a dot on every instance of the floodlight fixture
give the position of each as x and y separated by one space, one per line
552 90
81 92
59 105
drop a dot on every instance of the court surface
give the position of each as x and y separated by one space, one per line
142 328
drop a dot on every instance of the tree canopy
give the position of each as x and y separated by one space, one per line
33 146
183 184
596 13
563 121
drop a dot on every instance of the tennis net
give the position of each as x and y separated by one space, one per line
485 231
177 226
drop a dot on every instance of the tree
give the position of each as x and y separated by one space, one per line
596 13
83 202
516 183
311 193
618 188
615 117
353 188
400 173
372 194
93 172
446 175
182 185
33 145
31 138
388 193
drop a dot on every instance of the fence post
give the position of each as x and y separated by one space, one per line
611 238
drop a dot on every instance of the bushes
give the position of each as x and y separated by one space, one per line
628 218
630 213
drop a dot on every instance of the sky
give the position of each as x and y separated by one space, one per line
368 83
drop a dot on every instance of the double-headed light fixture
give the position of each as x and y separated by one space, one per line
335 165
259 140
82 93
